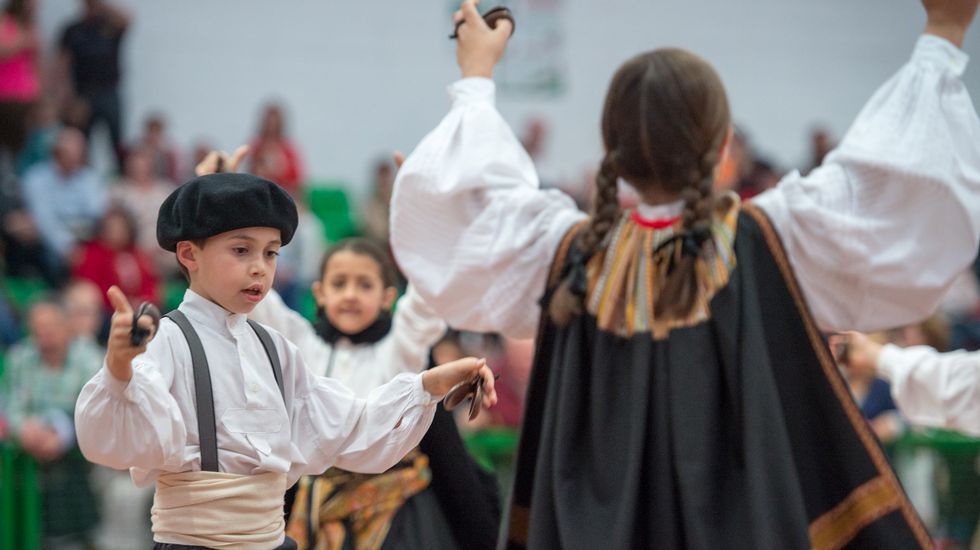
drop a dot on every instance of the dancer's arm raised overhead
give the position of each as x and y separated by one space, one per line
470 225
881 229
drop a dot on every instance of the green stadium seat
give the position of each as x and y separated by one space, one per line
24 291
328 200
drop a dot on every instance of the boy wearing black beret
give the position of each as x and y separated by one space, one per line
221 413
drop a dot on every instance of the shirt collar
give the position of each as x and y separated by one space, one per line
656 212
201 310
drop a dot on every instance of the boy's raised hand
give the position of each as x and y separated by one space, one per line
478 47
950 19
439 380
119 350
218 161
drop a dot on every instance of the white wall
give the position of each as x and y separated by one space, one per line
362 78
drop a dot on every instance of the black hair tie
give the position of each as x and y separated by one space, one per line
691 241
578 282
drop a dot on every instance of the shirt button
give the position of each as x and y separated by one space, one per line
254 387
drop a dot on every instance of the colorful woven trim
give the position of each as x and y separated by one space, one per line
623 278
351 510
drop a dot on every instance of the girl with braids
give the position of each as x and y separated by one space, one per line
682 395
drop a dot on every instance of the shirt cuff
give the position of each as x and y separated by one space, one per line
117 388
474 89
890 364
421 396
940 53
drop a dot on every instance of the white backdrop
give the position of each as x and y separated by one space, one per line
362 78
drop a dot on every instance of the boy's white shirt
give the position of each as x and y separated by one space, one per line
876 235
149 424
415 328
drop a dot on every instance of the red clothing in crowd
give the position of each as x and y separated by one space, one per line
278 161
129 269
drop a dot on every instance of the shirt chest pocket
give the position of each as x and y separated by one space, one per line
253 421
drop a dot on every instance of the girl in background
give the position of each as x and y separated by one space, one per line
358 341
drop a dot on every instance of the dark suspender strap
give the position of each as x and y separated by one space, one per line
270 350
204 398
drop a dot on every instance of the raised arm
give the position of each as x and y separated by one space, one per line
126 416
416 328
879 232
470 226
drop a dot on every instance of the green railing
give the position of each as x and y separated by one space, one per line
20 500
955 481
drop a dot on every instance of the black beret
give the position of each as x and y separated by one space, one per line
208 205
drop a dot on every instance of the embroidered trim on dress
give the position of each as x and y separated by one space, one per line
623 277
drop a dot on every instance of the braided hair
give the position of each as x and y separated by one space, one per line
665 119
566 303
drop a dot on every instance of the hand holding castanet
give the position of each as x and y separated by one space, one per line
120 349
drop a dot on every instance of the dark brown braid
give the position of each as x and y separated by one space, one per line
566 303
679 292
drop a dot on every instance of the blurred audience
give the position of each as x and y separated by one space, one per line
41 382
156 146
112 258
42 132
87 317
299 263
89 65
873 394
821 143
64 198
273 155
375 216
141 192
20 85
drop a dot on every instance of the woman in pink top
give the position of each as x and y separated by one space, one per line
19 84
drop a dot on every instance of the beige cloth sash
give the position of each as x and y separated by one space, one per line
219 510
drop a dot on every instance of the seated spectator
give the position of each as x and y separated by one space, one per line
113 259
273 155
41 382
87 317
155 144
24 253
376 210
64 196
873 396
299 263
198 152
932 387
42 131
515 373
141 193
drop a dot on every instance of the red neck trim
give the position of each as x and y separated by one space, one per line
653 224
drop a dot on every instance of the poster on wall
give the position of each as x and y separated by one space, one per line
534 65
